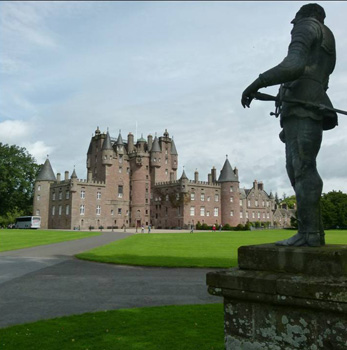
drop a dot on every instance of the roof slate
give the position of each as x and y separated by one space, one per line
46 173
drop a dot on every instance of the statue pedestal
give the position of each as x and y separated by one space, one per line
284 298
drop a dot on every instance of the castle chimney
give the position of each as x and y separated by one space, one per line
196 176
214 174
130 142
58 177
209 178
149 142
66 178
255 184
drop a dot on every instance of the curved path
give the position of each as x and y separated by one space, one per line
47 281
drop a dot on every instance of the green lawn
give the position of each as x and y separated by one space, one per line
205 249
189 327
18 239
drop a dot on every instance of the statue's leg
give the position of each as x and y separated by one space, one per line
303 139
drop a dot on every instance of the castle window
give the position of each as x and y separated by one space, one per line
128 170
231 199
216 197
253 215
146 177
268 215
208 198
231 213
241 215
154 160
256 203
263 203
207 213
67 209
178 210
215 212
192 211
60 195
241 203
112 212
267 203
82 209
119 211
53 196
231 188
120 158
120 169
83 194
39 187
263 215
202 197
166 172
98 195
120 191
53 210
146 200
59 210
98 210
67 194
166 161
192 196
202 211
167 197
246 214
37 211
177 196
38 197
249 203
258 215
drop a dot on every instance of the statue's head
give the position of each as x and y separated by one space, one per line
310 10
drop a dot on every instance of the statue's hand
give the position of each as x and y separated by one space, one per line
248 94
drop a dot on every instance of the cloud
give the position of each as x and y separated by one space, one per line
12 131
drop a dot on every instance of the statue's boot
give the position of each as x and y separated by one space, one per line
312 239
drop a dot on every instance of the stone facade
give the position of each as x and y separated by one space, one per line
133 184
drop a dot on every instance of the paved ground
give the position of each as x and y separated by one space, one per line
47 281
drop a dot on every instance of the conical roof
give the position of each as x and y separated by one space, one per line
227 174
119 141
74 175
107 145
184 176
155 145
173 148
46 172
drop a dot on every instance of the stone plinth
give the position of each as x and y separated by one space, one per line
285 298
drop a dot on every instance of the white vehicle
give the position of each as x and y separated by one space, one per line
28 222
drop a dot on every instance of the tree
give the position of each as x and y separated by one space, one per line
18 170
334 209
290 201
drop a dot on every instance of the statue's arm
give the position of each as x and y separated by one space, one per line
304 35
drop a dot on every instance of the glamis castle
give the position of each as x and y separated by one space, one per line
133 183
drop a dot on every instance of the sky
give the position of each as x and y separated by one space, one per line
143 67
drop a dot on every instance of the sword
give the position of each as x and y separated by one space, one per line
265 97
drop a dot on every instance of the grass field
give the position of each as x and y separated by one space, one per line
18 239
159 328
204 249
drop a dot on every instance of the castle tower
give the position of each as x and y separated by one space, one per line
174 156
155 153
230 195
42 191
107 150
74 181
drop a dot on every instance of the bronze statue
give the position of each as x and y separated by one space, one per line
305 111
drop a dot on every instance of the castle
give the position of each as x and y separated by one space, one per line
130 184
